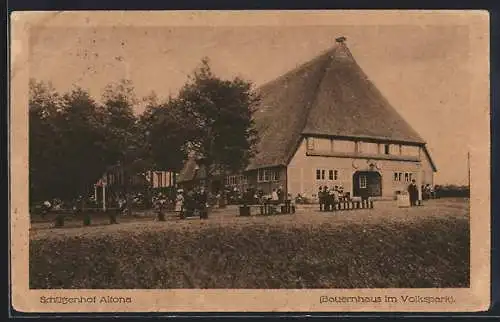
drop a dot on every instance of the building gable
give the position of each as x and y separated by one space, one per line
328 96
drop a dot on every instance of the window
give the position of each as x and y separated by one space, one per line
362 182
394 149
398 176
386 149
332 174
320 174
260 175
265 175
232 180
410 176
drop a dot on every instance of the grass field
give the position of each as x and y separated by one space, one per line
384 247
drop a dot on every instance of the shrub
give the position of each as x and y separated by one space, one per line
455 191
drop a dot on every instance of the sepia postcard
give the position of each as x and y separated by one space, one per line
250 161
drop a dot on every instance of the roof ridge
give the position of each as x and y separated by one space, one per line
298 67
314 96
328 95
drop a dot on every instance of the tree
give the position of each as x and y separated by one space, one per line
223 134
126 138
44 107
167 134
82 156
67 142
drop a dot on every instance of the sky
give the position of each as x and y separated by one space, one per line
424 71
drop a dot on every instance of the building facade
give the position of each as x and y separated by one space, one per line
377 169
325 123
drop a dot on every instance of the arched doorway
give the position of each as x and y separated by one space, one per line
367 184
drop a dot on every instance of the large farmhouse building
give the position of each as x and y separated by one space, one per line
326 124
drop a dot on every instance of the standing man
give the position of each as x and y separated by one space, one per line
336 198
321 198
202 203
413 192
280 194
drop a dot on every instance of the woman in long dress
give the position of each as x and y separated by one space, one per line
179 202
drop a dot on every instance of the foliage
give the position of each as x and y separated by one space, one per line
74 139
447 191
67 142
44 141
166 134
223 135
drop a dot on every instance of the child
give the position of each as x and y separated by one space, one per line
179 202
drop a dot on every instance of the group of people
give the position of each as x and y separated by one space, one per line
277 195
187 203
328 198
427 190
256 196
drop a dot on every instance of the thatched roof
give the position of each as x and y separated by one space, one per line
327 96
188 172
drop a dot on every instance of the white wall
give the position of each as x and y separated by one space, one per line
301 172
427 171
159 181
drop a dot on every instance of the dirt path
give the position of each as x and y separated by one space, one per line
305 215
